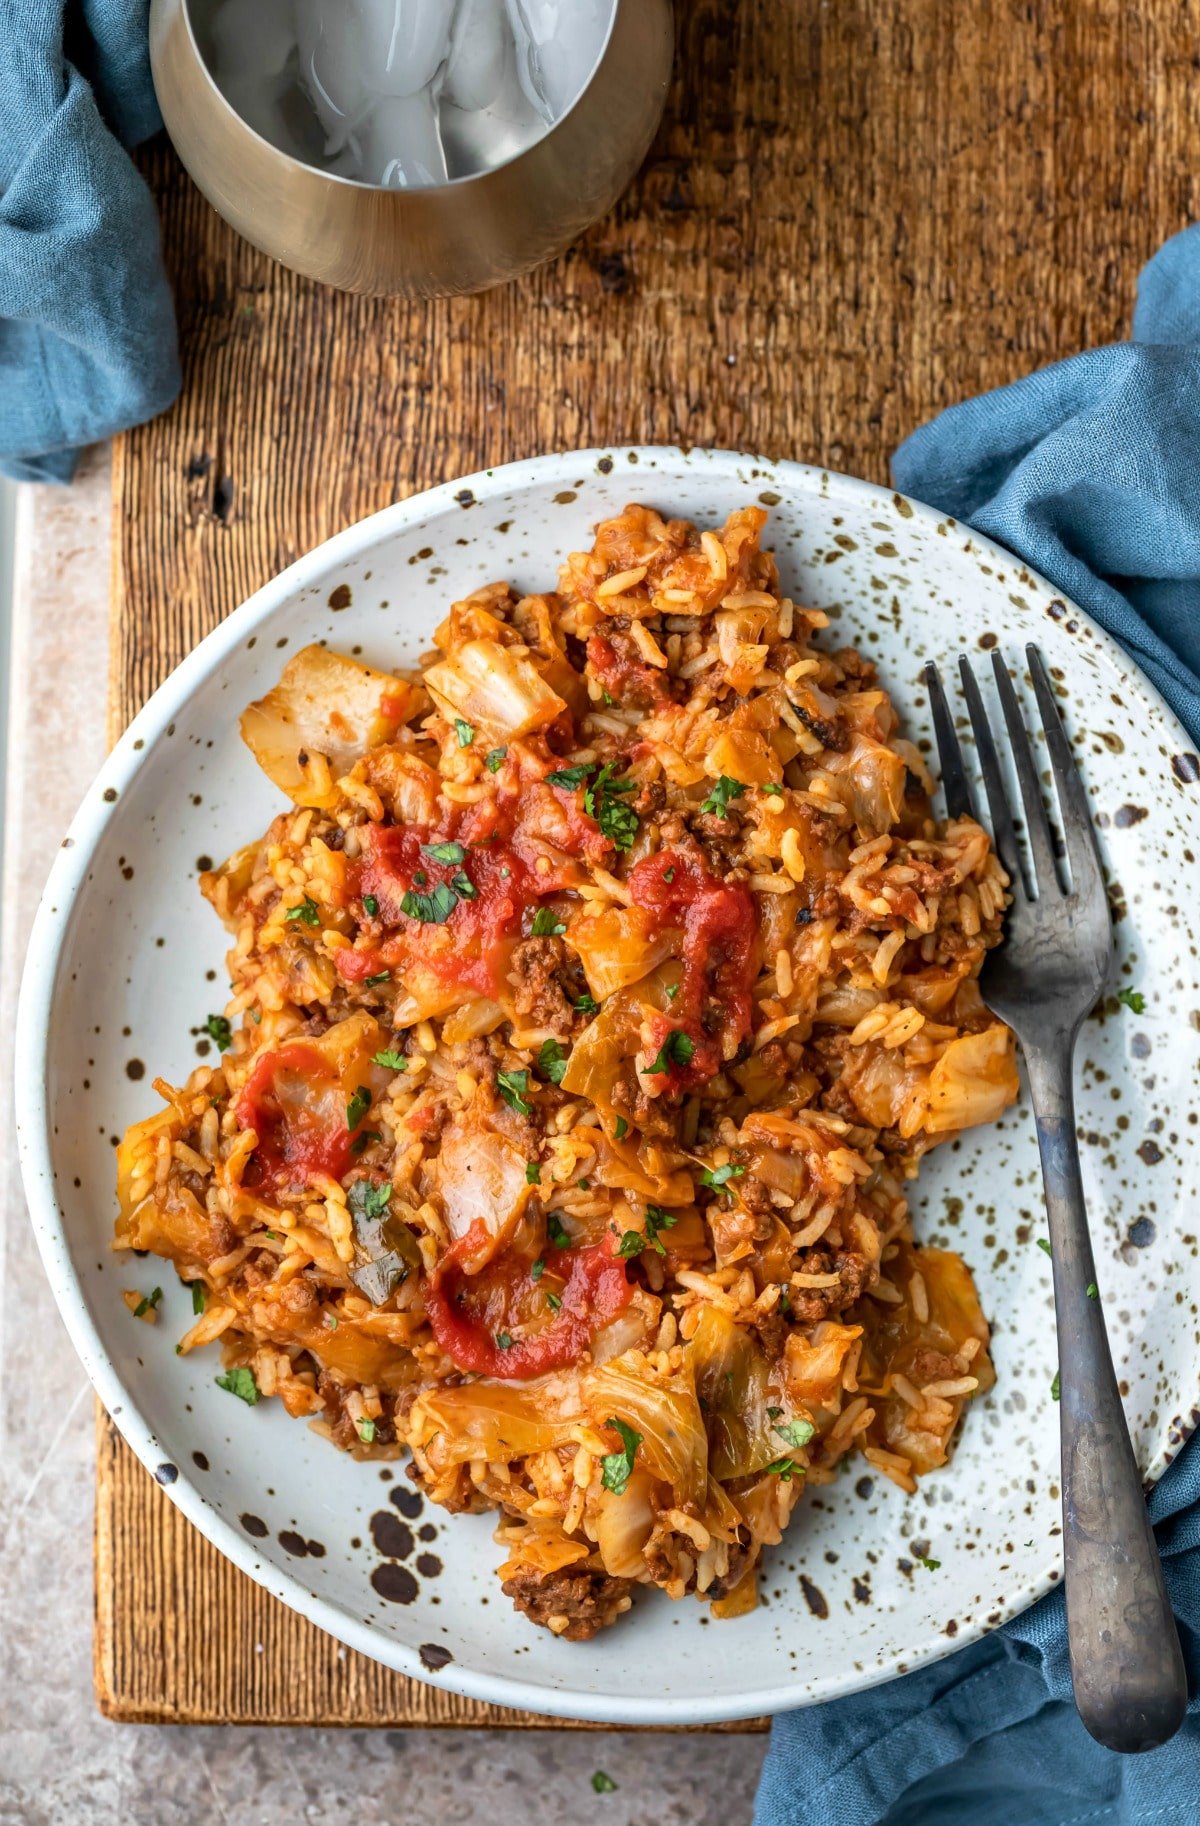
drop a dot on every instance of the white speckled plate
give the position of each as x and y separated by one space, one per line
125 964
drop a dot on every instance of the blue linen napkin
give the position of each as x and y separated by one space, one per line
87 326
1090 471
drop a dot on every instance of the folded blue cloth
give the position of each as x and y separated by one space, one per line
1090 471
87 326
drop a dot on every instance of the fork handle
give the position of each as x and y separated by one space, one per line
1126 1665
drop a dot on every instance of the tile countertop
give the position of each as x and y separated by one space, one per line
59 1760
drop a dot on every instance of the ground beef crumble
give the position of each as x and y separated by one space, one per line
589 1601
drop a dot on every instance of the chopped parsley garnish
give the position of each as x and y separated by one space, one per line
504 1340
373 982
718 799
774 1413
369 1200
533 1172
199 1297
463 886
512 1087
677 1049
582 1184
615 1467
219 1030
570 777
558 1234
621 1129
420 878
464 732
795 1433
240 1382
538 1269
587 1004
1043 1244
672 991
1132 998
669 874
785 1469
392 1061
363 1140
1092 1291
370 905
928 1564
330 1321
716 1177
602 801
432 909
552 1061
771 788
603 1784
1056 1386
148 1302
444 852
494 760
358 1106
546 924
553 1301
634 1241
366 1431
308 911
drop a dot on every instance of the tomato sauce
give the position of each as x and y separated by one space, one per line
471 1314
296 1106
626 679
720 939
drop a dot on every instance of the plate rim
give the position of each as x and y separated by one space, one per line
39 979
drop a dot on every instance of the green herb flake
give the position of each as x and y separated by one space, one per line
794 1433
512 1087
557 1232
621 1129
1044 1245
199 1297
366 1431
504 1340
583 1184
431 909
464 732
330 1321
1056 1386
602 801
363 1140
533 1172
370 905
552 1061
587 1004
928 1564
358 1106
463 886
553 1301
538 1269
669 874
785 1469
603 1784
373 982
1092 1291
240 1382
391 1060
494 760
219 1030
368 1199
616 1467
420 877
672 991
721 794
546 924
571 777
1133 999
771 788
308 911
148 1302
716 1177
677 1049
444 852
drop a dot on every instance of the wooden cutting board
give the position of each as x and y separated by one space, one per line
855 213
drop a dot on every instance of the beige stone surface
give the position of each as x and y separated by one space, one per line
61 1764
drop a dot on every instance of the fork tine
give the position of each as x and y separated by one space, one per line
954 778
1079 833
1037 825
1003 834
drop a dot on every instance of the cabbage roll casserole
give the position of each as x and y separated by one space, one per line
596 993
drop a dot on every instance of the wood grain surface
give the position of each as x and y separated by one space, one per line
855 213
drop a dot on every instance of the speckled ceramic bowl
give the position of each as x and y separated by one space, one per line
126 962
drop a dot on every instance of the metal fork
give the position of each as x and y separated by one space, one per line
1126 1665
